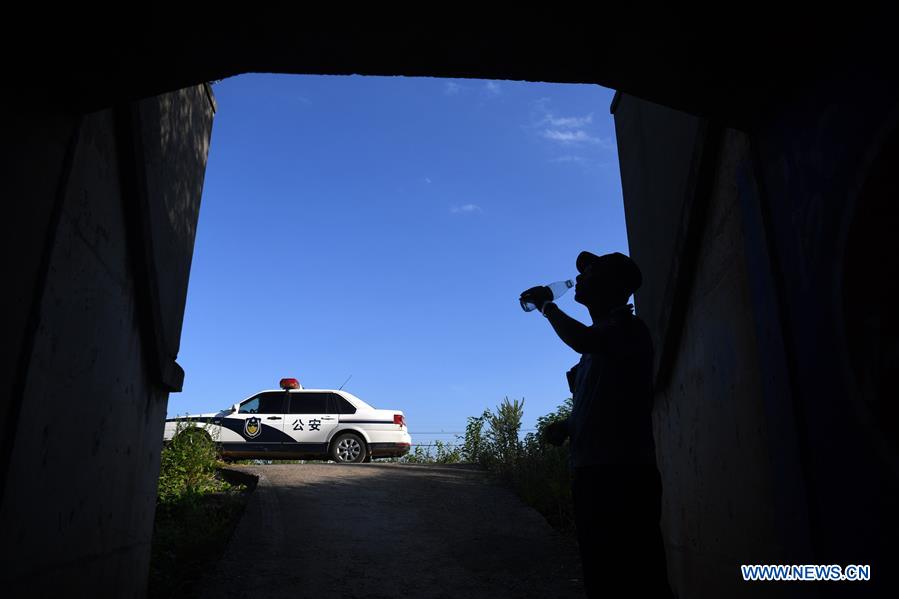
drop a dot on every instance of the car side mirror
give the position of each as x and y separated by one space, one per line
235 407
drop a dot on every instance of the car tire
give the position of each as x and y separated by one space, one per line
202 436
348 448
195 433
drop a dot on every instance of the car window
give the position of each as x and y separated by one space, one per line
264 403
309 403
249 407
341 405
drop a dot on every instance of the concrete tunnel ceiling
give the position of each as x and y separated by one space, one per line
736 68
819 94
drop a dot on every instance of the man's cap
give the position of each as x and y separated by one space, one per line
615 266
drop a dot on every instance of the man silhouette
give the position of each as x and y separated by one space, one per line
616 487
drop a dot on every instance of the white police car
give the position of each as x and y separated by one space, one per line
296 423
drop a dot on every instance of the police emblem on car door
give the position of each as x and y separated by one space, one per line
252 427
260 422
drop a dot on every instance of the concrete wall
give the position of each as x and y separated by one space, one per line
721 491
85 421
34 158
814 161
659 173
770 450
714 448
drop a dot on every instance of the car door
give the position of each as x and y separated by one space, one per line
309 421
259 421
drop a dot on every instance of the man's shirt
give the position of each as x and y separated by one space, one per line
611 417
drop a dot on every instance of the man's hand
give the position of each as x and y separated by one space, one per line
538 296
556 432
571 375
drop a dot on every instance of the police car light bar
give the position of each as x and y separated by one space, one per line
290 384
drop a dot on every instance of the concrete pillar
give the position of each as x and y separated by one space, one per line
102 248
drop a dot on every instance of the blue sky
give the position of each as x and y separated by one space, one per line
384 227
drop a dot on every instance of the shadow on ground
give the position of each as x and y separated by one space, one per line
391 530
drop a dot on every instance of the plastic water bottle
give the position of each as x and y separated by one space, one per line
558 289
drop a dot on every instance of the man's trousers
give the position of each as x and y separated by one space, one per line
617 510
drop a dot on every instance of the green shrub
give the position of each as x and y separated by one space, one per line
188 464
190 498
445 453
537 471
502 435
475 448
542 477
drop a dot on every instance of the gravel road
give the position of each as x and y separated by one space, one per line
391 530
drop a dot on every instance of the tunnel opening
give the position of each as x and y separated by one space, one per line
382 228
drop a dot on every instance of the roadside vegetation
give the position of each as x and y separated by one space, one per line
196 512
537 471
197 509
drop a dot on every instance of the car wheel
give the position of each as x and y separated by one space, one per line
195 435
199 437
348 449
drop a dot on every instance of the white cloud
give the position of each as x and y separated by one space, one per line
542 115
492 88
452 88
578 159
577 137
570 122
569 130
569 137
466 209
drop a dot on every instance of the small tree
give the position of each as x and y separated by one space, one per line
538 471
187 463
561 413
505 425
475 447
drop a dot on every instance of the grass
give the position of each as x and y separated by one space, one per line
536 471
196 513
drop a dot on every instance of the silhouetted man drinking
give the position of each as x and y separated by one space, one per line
616 487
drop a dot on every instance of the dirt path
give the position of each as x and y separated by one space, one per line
391 530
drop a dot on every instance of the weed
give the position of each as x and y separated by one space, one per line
537 471
188 464
190 497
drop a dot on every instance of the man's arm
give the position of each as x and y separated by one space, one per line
574 334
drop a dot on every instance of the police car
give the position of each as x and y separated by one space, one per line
297 423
